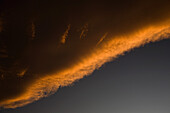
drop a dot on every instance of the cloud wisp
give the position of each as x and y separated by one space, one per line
65 35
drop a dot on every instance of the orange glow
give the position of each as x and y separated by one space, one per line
104 52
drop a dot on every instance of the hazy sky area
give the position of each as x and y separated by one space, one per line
138 82
84 56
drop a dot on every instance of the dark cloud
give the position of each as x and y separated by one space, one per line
41 38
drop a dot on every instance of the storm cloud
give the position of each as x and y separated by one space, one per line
50 44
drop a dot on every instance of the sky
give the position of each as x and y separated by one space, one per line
54 56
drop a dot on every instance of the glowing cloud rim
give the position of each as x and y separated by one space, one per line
104 52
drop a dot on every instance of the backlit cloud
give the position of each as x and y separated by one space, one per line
34 69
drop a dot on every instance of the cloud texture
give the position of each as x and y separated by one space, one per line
52 45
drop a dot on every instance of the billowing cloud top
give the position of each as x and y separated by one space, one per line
45 45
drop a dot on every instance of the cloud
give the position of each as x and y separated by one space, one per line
63 39
34 69
102 38
84 31
33 29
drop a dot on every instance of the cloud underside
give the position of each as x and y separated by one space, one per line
103 52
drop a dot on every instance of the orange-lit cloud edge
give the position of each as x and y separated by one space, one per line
104 52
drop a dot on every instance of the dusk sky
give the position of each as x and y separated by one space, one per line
84 56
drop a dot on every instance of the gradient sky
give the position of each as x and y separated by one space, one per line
137 82
54 56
